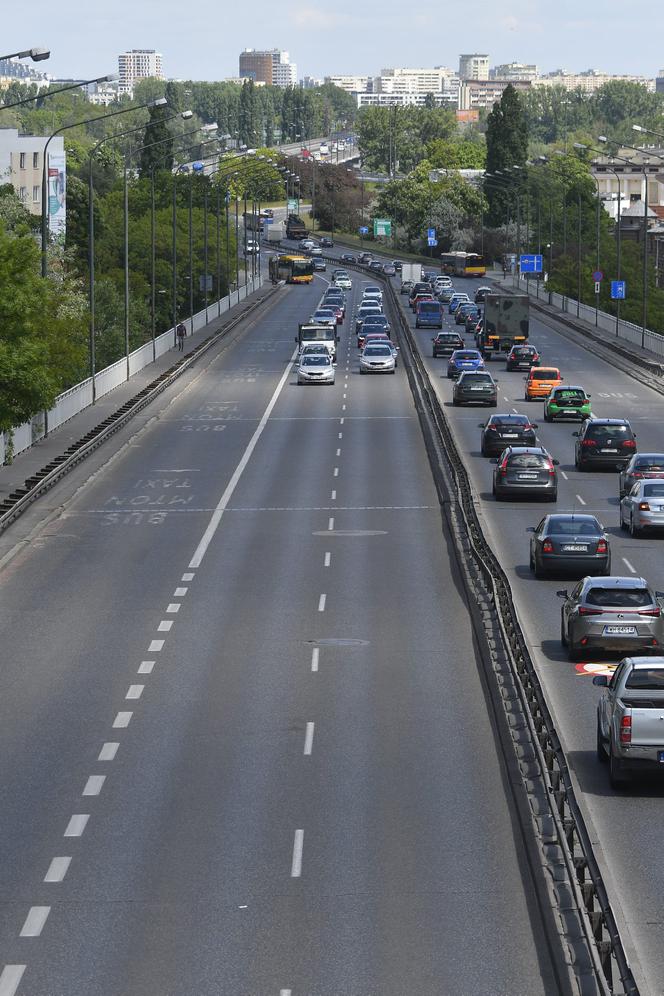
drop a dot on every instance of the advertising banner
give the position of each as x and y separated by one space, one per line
57 195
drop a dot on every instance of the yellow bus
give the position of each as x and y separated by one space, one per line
292 269
463 264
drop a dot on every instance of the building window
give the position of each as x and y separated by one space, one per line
21 160
35 160
22 193
36 192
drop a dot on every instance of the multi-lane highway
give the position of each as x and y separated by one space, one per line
628 826
245 744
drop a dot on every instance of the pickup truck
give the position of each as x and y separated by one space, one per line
630 718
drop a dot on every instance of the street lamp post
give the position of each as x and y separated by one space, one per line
36 54
44 94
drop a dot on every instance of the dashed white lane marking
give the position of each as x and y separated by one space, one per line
330 523
505 398
34 921
155 646
345 396
628 565
315 654
341 435
57 869
188 577
343 408
580 499
328 559
11 978
309 739
94 784
341 421
336 472
180 592
564 475
165 626
296 863
173 607
339 451
333 495
134 691
76 825
146 667
108 751
122 720
285 992
321 603
213 524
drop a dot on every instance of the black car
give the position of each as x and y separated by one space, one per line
376 265
347 257
642 466
522 358
326 242
445 343
472 317
570 543
501 431
525 470
397 265
481 293
376 323
604 442
475 387
429 276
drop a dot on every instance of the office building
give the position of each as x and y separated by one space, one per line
138 64
284 72
473 67
272 68
22 164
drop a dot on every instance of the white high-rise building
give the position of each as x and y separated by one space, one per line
474 67
138 64
284 72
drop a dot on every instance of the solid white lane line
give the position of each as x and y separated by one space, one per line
328 558
563 474
173 607
146 667
339 452
180 592
315 653
296 863
10 979
34 921
108 751
155 646
57 869
580 500
76 825
94 784
165 626
321 603
336 472
309 739
222 504
330 524
122 720
628 565
134 691
333 495
187 577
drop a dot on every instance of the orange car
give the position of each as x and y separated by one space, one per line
541 381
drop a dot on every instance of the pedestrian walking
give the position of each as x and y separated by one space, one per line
181 333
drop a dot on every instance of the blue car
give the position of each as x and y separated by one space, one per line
464 359
456 300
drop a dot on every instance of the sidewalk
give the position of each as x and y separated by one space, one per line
30 461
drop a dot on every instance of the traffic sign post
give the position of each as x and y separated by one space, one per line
598 286
363 230
382 227
618 290
598 276
431 233
530 264
432 242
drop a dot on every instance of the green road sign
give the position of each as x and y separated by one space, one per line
382 226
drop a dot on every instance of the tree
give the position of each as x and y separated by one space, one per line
506 145
447 154
157 142
248 129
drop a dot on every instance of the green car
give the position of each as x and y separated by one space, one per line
567 402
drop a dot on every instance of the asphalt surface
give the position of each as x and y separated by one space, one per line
245 746
627 826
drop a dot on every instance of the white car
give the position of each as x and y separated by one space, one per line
377 357
343 280
315 368
252 247
315 250
372 294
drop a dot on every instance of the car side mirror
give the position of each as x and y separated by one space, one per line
575 433
556 463
481 425
562 593
659 594
295 338
601 680
493 460
534 425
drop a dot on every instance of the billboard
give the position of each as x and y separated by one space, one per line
57 195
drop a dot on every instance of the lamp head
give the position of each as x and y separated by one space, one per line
187 114
159 102
637 128
603 139
39 54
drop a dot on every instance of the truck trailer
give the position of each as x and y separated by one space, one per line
505 321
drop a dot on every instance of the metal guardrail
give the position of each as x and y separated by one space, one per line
18 501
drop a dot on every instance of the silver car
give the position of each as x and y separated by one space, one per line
641 466
315 368
643 507
377 358
615 615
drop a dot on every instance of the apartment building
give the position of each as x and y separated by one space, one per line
138 64
351 84
589 80
22 164
272 68
479 94
473 67
514 71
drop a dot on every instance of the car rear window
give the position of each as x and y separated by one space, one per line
470 378
608 431
429 308
647 678
509 420
529 461
568 393
561 526
466 355
544 374
645 464
619 597
653 490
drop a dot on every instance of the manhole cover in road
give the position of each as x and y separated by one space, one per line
351 532
332 642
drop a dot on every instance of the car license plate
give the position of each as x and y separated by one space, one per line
620 631
527 477
510 435
575 548
608 451
476 388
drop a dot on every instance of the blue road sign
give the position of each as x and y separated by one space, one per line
530 264
598 276
432 242
431 233
364 230
618 290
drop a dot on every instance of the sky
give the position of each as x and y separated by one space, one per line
202 41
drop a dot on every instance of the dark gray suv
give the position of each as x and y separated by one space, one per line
525 471
604 442
475 387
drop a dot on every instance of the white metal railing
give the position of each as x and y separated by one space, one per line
78 397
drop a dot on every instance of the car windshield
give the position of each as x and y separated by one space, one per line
562 525
653 490
315 360
619 597
544 374
378 351
529 461
650 678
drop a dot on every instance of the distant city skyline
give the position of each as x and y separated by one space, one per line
345 38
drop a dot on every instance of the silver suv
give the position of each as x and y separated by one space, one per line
615 614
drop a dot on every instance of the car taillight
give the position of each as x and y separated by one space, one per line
584 610
492 428
644 506
602 546
551 468
629 444
547 546
626 729
656 612
589 442
636 473
503 466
